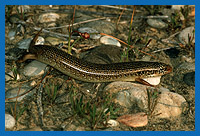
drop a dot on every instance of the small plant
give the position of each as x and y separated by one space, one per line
125 55
152 9
14 73
20 12
189 45
52 92
152 97
94 112
176 22
8 11
185 12
18 109
190 41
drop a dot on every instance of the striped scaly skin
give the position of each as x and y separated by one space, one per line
91 72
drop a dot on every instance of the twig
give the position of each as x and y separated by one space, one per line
120 16
28 90
171 36
115 7
105 14
52 33
83 22
164 49
65 35
39 98
39 103
153 17
16 103
131 46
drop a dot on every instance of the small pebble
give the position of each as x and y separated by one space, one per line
157 23
48 17
112 123
9 121
107 129
102 26
23 8
14 18
104 54
40 41
33 83
187 66
187 59
34 68
134 120
32 129
183 36
13 93
53 24
109 41
189 78
20 29
56 41
90 31
177 7
12 34
25 43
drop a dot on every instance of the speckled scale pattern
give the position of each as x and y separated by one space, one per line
90 72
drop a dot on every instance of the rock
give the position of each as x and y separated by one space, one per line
169 104
102 26
104 54
187 58
72 127
14 18
25 43
177 7
20 29
134 120
23 8
32 129
81 17
56 41
157 23
189 78
7 77
40 41
34 68
11 93
187 66
48 17
107 129
109 41
91 31
112 123
183 36
9 121
12 34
